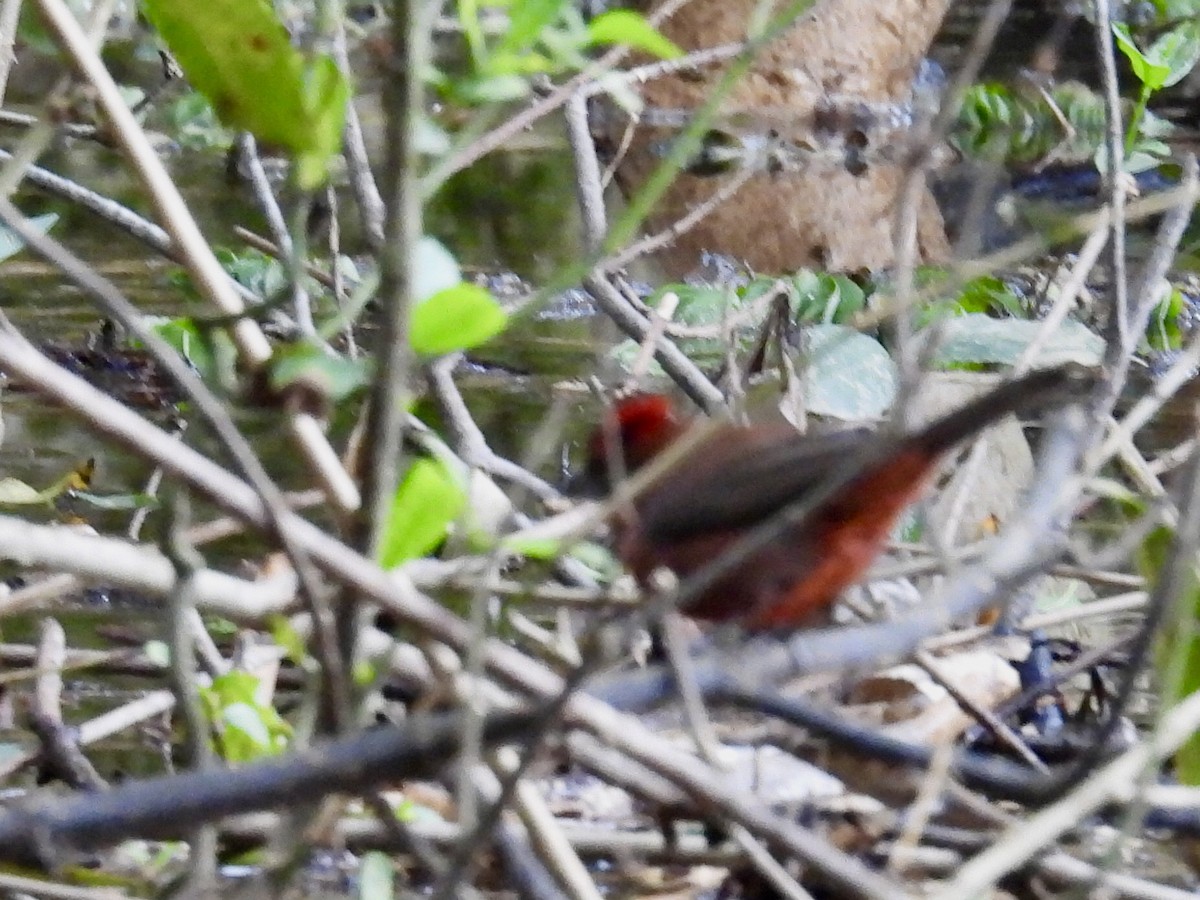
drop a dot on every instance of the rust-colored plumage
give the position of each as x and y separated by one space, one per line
850 486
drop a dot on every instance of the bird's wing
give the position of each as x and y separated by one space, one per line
739 479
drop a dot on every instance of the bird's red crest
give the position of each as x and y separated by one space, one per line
643 423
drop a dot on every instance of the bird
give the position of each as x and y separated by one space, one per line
826 503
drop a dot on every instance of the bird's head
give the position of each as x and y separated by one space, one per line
632 433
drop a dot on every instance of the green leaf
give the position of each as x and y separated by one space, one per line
1176 52
526 21
123 502
239 55
624 26
1163 331
189 341
426 504
980 339
1137 60
487 89
376 877
847 375
335 377
988 294
826 298
325 94
285 635
535 548
14 492
244 729
158 652
456 318
435 269
699 305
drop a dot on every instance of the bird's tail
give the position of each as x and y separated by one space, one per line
1040 389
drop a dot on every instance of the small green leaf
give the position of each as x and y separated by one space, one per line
243 728
624 26
325 93
158 652
486 89
535 548
978 339
364 673
989 294
848 375
1137 59
457 318
526 21
435 269
335 377
11 245
245 733
827 299
189 341
376 877
426 504
1176 52
285 635
14 492
120 502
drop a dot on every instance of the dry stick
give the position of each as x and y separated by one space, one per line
1062 868
911 187
103 726
1170 232
60 753
589 190
140 568
1063 303
211 280
397 595
383 450
687 849
260 186
1122 333
188 564
1100 609
362 182
469 440
33 143
36 887
924 805
1019 251
20 661
69 129
545 832
982 714
673 360
1182 370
